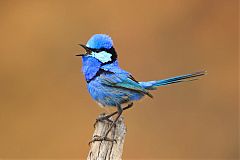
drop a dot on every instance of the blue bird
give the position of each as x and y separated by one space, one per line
109 85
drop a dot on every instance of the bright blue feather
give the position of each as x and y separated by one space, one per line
110 85
98 41
187 77
90 67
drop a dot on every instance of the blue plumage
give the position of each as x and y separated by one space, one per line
151 85
100 41
90 66
110 85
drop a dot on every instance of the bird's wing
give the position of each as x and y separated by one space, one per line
125 81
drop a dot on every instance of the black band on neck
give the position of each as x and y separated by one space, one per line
99 72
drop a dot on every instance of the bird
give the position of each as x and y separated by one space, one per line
111 86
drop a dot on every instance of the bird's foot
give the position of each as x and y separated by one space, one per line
101 138
102 119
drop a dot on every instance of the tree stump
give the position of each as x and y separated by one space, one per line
106 150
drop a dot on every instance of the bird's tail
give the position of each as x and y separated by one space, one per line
151 85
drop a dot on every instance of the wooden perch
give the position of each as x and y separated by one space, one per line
106 150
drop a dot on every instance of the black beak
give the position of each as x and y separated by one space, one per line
79 54
88 50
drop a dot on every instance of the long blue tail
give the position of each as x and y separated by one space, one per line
151 85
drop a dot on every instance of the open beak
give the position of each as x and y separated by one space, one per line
88 50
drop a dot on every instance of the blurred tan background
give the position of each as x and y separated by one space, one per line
46 111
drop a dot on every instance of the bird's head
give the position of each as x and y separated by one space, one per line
100 47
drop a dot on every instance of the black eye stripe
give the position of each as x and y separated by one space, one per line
96 50
103 49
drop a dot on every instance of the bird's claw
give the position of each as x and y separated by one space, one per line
102 119
101 138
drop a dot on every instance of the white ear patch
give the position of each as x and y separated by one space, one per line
102 56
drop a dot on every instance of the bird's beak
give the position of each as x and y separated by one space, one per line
87 49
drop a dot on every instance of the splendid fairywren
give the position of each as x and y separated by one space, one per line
110 85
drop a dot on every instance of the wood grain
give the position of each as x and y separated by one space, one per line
106 150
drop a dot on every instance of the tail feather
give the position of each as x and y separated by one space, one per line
151 85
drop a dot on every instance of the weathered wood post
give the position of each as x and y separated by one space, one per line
106 150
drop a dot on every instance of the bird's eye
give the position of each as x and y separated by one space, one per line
97 50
